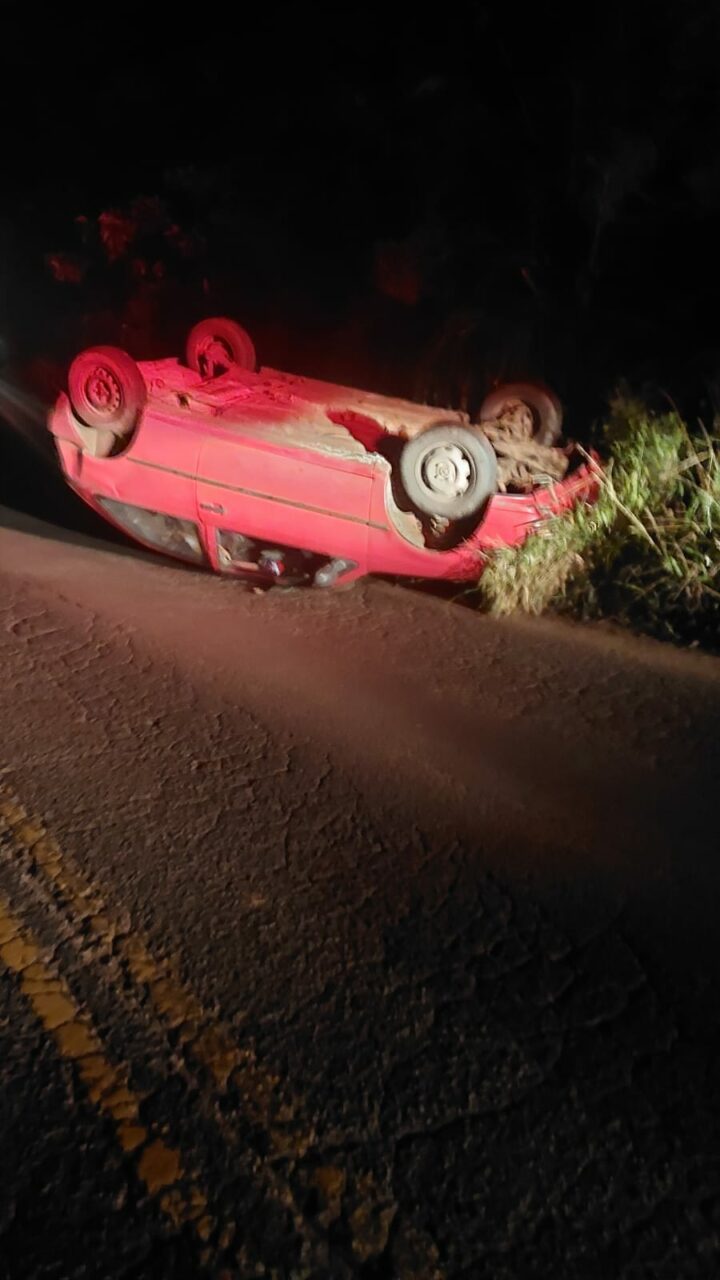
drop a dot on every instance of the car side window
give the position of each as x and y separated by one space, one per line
172 534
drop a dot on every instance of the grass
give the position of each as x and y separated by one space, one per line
647 554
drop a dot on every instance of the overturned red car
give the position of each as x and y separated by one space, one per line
273 477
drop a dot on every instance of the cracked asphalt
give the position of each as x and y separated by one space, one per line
348 934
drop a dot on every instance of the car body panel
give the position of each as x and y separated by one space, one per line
280 494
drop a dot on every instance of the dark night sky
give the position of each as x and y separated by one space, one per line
557 179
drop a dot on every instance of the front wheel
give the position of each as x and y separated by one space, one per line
538 403
449 471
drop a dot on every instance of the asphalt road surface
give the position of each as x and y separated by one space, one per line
348 934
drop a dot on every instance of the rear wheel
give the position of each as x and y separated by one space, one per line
217 345
449 471
540 405
107 393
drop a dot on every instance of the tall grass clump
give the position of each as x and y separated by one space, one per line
646 554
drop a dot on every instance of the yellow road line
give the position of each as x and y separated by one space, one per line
208 1040
159 1166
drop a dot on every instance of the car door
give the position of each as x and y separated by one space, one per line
284 495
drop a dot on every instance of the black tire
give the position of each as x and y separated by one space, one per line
107 390
214 346
449 471
544 405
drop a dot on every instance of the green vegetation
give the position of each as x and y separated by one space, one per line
647 554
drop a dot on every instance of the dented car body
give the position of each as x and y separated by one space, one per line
271 476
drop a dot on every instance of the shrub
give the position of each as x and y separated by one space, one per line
646 554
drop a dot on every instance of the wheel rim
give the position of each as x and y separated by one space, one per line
519 415
103 392
446 471
214 357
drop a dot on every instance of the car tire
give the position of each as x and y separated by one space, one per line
543 404
107 391
449 471
214 346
